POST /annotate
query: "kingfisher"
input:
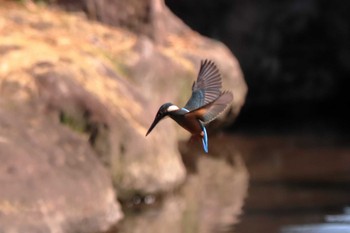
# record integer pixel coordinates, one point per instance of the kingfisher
(207, 102)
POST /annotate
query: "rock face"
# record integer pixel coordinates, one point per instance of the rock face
(211, 200)
(51, 181)
(79, 91)
(171, 50)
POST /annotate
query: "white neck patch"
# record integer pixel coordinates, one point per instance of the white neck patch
(172, 108)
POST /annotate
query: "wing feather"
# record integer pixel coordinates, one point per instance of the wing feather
(207, 88)
(212, 110)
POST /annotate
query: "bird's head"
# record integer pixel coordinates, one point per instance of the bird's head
(163, 111)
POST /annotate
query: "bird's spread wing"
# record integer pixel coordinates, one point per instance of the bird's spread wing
(207, 88)
(211, 111)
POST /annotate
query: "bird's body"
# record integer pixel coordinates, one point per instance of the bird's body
(187, 121)
(206, 104)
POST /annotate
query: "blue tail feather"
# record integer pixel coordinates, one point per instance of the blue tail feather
(205, 139)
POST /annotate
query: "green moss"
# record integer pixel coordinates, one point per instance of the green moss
(118, 66)
(75, 122)
(38, 2)
(42, 2)
(19, 1)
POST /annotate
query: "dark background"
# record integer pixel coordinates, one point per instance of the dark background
(295, 56)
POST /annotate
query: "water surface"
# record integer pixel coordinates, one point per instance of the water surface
(254, 183)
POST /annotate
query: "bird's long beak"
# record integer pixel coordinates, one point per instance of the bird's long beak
(155, 122)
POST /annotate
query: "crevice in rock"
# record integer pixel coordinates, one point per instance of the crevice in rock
(76, 120)
(98, 132)
(75, 107)
(99, 140)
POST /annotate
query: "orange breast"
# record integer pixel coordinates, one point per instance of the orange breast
(189, 122)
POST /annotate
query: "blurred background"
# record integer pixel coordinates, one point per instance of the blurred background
(81, 81)
(294, 56)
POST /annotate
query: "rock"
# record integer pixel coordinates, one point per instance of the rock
(116, 131)
(211, 199)
(166, 50)
(108, 82)
(51, 181)
(84, 86)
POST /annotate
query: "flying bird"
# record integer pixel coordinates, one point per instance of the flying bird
(207, 102)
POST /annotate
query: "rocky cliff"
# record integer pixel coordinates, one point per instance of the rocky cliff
(76, 99)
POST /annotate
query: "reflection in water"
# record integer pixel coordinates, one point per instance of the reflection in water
(295, 182)
(318, 228)
(210, 200)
